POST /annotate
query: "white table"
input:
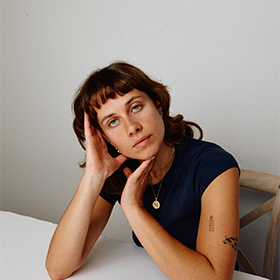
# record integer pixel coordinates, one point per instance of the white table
(25, 241)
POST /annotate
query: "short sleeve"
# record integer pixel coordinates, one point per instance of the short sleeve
(211, 162)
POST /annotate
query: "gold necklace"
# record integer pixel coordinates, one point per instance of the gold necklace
(156, 203)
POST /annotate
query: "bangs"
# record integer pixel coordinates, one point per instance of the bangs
(116, 79)
(101, 96)
(108, 88)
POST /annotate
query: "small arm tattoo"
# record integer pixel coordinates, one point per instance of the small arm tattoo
(233, 242)
(211, 223)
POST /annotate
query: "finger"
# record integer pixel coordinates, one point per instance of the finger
(90, 130)
(144, 169)
(86, 120)
(127, 172)
(148, 165)
(121, 159)
(87, 125)
(98, 132)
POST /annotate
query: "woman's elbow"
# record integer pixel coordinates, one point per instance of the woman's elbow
(56, 273)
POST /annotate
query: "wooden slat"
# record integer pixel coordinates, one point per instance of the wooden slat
(256, 213)
(259, 181)
(245, 263)
(271, 184)
(271, 238)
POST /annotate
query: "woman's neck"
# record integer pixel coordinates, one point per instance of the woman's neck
(162, 163)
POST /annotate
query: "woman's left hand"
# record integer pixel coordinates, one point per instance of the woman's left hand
(136, 184)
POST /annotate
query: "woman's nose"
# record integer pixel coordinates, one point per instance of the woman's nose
(132, 126)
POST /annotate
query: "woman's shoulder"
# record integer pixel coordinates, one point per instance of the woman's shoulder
(204, 153)
(204, 161)
(195, 145)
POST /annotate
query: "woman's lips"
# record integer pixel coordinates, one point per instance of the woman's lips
(142, 141)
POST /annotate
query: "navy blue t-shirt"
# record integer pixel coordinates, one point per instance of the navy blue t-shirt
(196, 164)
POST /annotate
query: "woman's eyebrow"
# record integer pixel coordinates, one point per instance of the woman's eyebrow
(132, 99)
(107, 117)
(126, 104)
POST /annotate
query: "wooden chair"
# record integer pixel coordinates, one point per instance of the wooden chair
(271, 184)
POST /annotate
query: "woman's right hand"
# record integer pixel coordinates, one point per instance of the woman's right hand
(98, 160)
(87, 213)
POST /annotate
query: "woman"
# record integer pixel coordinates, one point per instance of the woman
(179, 194)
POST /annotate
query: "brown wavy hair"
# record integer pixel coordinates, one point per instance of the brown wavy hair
(120, 78)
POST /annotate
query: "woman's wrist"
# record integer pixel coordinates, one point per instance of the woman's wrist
(94, 180)
(132, 209)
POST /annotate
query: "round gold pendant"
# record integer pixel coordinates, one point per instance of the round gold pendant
(156, 204)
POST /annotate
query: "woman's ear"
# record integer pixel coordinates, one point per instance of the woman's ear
(104, 136)
(160, 110)
(110, 143)
(158, 106)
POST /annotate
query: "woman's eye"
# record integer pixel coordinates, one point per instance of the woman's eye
(113, 123)
(136, 108)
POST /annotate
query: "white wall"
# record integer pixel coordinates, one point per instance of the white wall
(220, 59)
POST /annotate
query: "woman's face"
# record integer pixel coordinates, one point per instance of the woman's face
(133, 124)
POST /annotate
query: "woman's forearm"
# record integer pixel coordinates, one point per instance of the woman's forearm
(67, 245)
(175, 259)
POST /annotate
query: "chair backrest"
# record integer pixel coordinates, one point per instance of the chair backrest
(270, 184)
